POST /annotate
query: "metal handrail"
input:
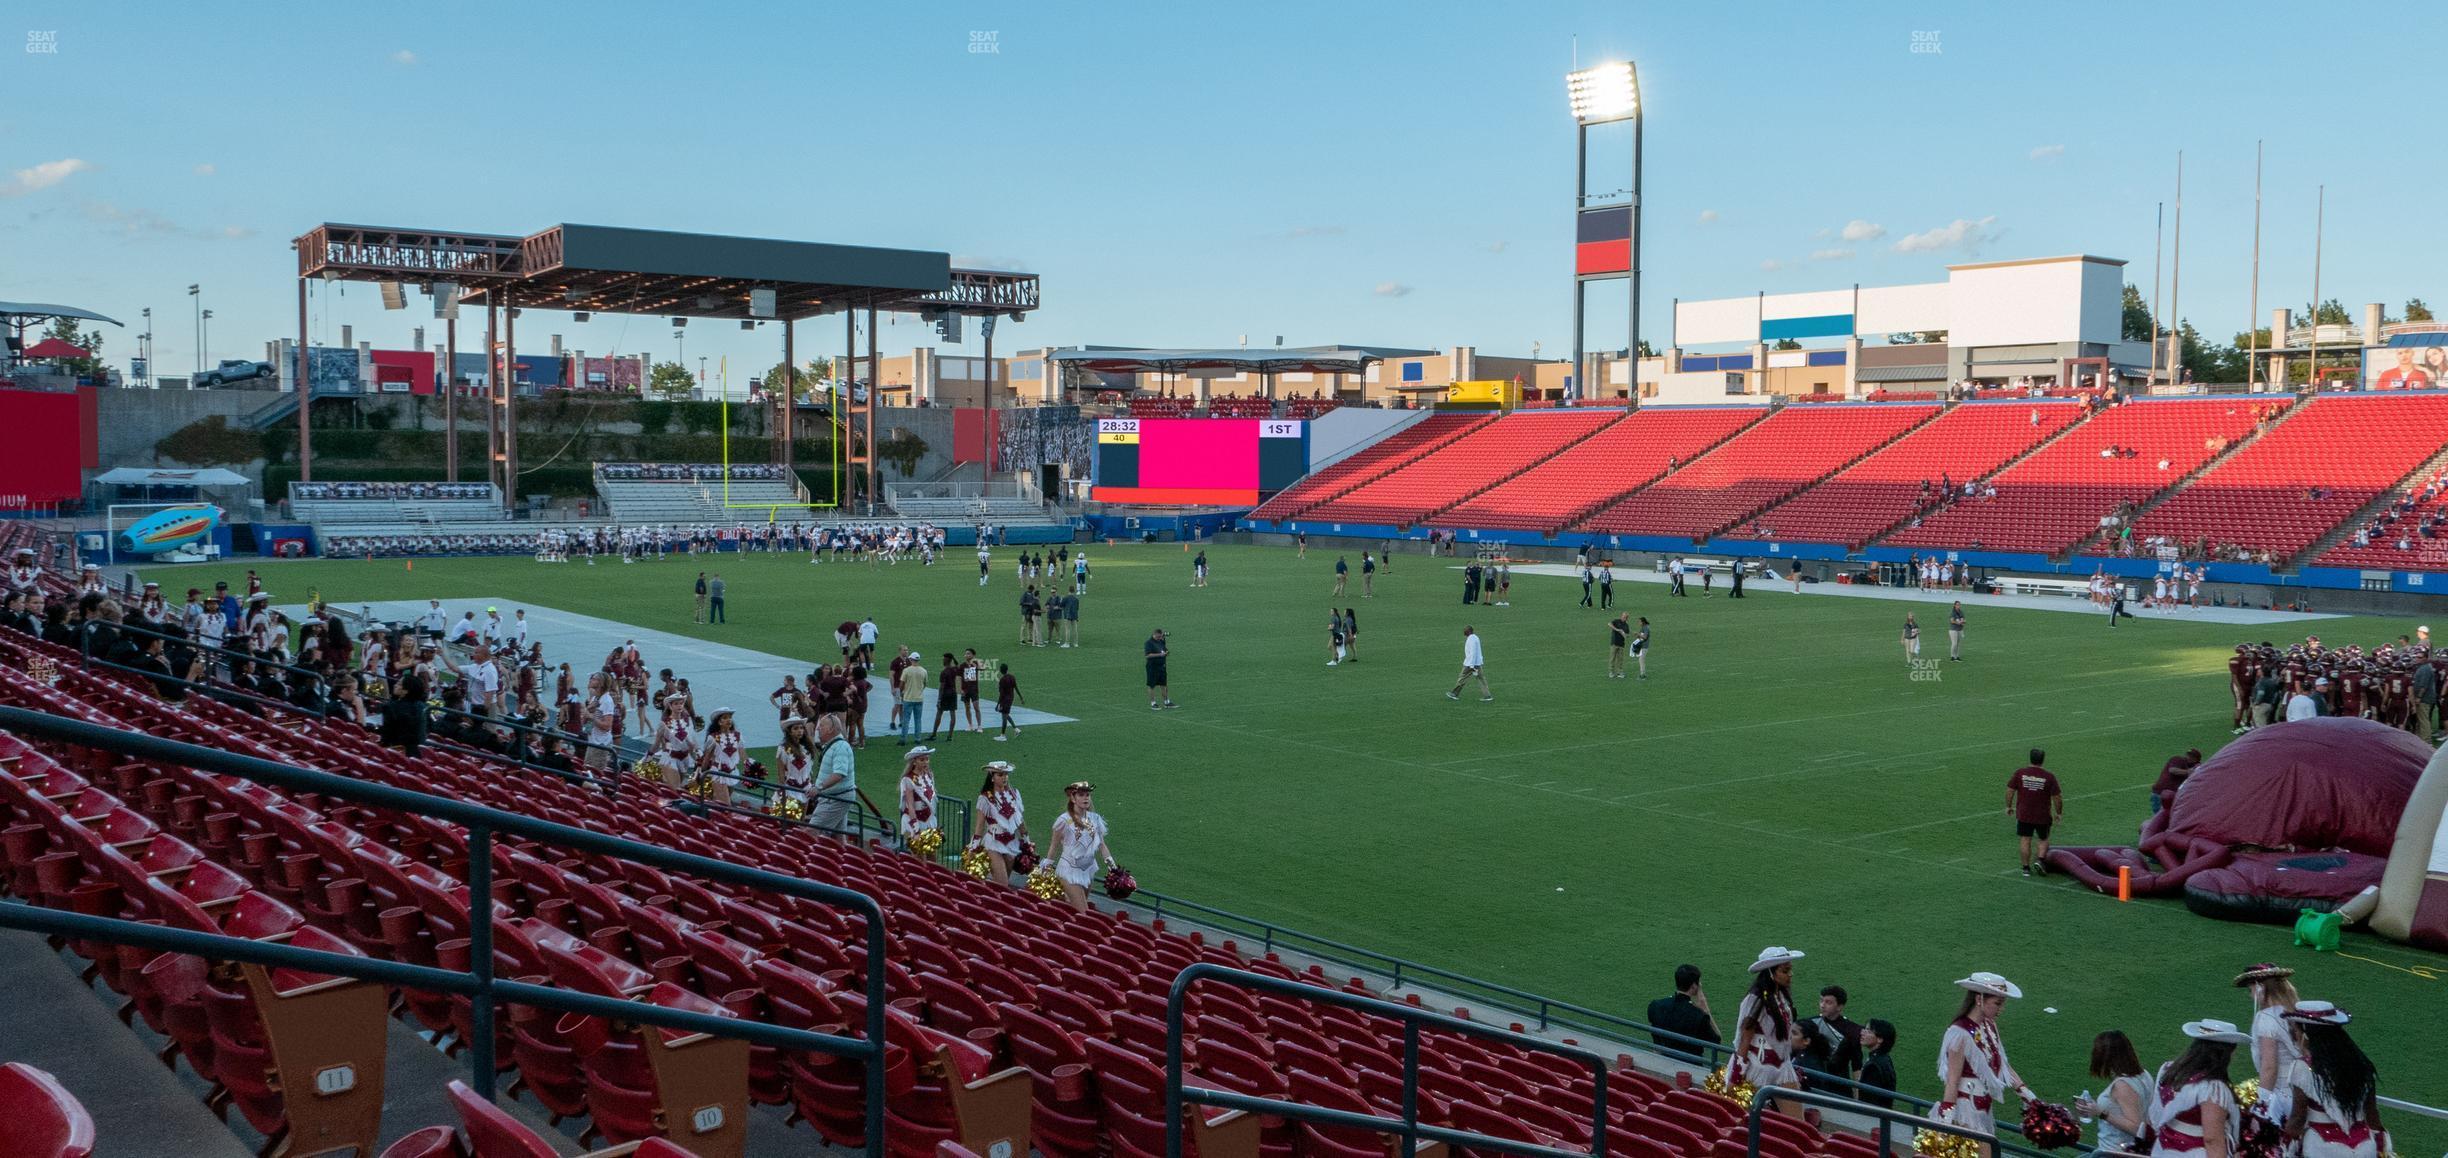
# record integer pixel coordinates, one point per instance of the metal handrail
(478, 983)
(1178, 1097)
(1547, 1012)
(1886, 1117)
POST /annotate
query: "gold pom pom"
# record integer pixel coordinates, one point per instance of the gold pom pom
(976, 863)
(1044, 884)
(926, 842)
(787, 805)
(1938, 1144)
(649, 768)
(1739, 1093)
(2248, 1093)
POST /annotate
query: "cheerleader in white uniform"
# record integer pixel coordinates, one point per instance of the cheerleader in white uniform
(2336, 1111)
(918, 793)
(677, 746)
(797, 756)
(2276, 1061)
(1765, 1035)
(1002, 825)
(1973, 1072)
(2196, 1115)
(1078, 845)
(723, 753)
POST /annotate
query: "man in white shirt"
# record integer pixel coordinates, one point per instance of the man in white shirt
(484, 679)
(867, 639)
(2302, 705)
(1474, 666)
(434, 620)
(494, 631)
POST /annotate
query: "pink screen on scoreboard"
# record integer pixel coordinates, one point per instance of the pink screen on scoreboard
(1199, 452)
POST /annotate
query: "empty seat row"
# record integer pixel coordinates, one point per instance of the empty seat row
(1468, 464)
(1602, 467)
(1912, 473)
(1770, 460)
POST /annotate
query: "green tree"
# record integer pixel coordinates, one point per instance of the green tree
(2137, 327)
(1786, 344)
(815, 371)
(2332, 313)
(1647, 350)
(2208, 362)
(2417, 311)
(671, 382)
(65, 329)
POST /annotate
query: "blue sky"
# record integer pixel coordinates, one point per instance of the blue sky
(1393, 174)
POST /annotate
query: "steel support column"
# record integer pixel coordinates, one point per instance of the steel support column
(790, 395)
(450, 398)
(509, 402)
(305, 388)
(875, 397)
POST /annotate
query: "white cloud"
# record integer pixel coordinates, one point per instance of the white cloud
(1961, 234)
(1391, 289)
(1830, 254)
(404, 57)
(145, 222)
(1497, 246)
(1771, 265)
(42, 176)
(1708, 217)
(2048, 152)
(205, 170)
(1860, 230)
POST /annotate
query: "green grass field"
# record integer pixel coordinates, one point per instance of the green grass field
(1779, 779)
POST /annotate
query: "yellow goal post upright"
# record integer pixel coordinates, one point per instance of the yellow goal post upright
(838, 428)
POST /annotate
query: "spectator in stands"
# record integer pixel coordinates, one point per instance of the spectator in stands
(1838, 1051)
(1764, 1033)
(836, 779)
(2336, 1104)
(1002, 828)
(1079, 845)
(1877, 1041)
(1685, 1012)
(2123, 1108)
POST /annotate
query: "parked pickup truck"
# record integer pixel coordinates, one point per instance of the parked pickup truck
(232, 371)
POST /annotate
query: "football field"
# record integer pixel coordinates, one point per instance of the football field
(1782, 778)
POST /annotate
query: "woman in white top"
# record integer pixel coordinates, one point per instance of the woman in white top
(677, 742)
(797, 756)
(1766, 1038)
(2276, 1060)
(1002, 825)
(1973, 1073)
(603, 720)
(2194, 1115)
(723, 753)
(918, 793)
(2123, 1107)
(2336, 1110)
(1078, 844)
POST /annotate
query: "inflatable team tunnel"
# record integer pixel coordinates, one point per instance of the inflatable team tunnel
(2296, 816)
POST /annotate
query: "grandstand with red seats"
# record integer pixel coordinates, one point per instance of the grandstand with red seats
(1452, 472)
(1370, 462)
(2128, 453)
(990, 989)
(2306, 475)
(1790, 449)
(1911, 474)
(1593, 472)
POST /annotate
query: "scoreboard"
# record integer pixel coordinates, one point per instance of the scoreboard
(1197, 461)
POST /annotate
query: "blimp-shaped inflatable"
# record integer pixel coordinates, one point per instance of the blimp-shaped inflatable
(171, 529)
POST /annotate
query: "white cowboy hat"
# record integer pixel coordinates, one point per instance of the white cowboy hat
(2212, 1029)
(1991, 984)
(1773, 956)
(914, 753)
(787, 721)
(2317, 1013)
(1002, 766)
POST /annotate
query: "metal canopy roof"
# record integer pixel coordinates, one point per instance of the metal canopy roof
(649, 271)
(1301, 359)
(30, 310)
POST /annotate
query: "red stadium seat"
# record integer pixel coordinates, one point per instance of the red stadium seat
(39, 1118)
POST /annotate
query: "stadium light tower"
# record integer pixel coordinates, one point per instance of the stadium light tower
(1606, 237)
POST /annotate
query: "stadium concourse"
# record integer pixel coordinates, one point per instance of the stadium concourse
(982, 977)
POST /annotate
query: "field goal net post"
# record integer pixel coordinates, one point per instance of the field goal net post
(837, 430)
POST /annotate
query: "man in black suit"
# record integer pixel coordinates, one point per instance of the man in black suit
(1685, 1011)
(1835, 1048)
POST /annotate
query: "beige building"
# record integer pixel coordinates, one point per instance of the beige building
(1026, 378)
